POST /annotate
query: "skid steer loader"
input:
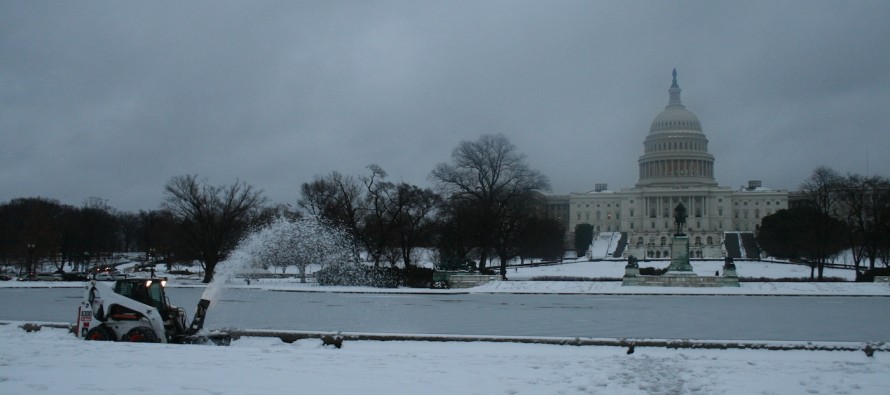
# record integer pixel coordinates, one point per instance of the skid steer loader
(137, 310)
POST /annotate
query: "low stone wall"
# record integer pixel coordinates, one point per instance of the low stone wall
(469, 280)
(680, 281)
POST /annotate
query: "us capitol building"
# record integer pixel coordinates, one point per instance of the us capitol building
(675, 167)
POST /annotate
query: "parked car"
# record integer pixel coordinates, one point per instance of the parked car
(4, 277)
(109, 276)
(48, 277)
(75, 276)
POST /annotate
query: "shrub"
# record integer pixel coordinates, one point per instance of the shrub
(869, 275)
(418, 277)
(651, 271)
(455, 263)
(359, 275)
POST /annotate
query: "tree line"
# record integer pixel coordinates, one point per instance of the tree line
(837, 213)
(483, 207)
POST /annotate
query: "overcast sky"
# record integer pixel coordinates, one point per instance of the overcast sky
(111, 99)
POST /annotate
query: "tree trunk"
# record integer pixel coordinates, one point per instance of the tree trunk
(209, 267)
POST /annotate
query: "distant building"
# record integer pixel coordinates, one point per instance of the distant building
(675, 167)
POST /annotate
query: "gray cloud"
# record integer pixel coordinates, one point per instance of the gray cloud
(111, 99)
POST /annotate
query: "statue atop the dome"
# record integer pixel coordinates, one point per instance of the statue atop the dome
(674, 84)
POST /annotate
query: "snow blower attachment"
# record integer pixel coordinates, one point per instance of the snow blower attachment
(137, 310)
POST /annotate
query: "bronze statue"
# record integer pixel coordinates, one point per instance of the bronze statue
(680, 217)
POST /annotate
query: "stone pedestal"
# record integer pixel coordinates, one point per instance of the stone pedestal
(680, 265)
(680, 272)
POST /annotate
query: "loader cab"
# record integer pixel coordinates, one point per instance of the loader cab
(145, 291)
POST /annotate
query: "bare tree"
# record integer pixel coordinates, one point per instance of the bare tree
(386, 219)
(211, 218)
(866, 205)
(335, 198)
(496, 180)
(98, 228)
(822, 194)
(375, 227)
(412, 217)
(30, 231)
(157, 235)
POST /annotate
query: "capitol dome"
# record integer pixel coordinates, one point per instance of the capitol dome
(676, 149)
(675, 115)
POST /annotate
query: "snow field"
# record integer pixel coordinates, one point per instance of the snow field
(53, 361)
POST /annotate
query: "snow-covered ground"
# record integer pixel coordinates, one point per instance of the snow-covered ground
(520, 281)
(52, 361)
(614, 269)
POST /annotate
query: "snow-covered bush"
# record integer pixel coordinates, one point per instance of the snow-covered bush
(360, 275)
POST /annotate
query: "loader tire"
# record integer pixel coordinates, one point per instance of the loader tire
(100, 333)
(141, 334)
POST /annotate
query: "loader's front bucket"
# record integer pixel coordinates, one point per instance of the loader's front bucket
(215, 338)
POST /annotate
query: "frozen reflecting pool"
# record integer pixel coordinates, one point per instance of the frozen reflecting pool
(634, 316)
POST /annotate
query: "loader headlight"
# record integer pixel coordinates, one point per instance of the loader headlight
(163, 283)
(147, 283)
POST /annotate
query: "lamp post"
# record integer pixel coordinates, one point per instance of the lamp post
(30, 247)
(152, 260)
